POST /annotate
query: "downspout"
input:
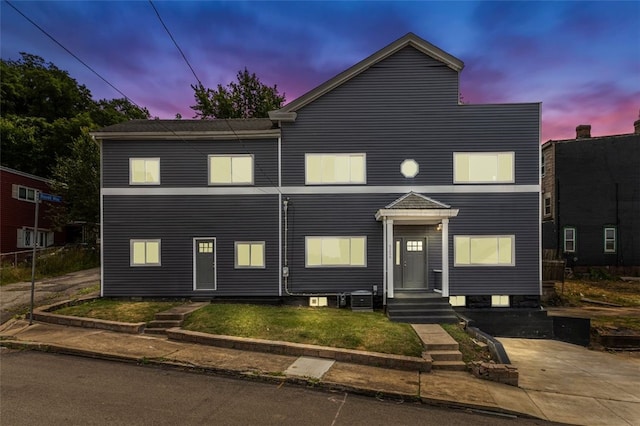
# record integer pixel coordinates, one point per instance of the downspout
(285, 268)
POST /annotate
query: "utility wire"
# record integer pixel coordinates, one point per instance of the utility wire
(70, 52)
(175, 42)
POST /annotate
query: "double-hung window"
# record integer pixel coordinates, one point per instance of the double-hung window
(484, 250)
(569, 240)
(336, 251)
(145, 252)
(547, 204)
(335, 169)
(23, 193)
(483, 167)
(234, 169)
(610, 237)
(144, 171)
(249, 254)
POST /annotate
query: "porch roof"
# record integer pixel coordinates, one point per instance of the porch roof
(416, 209)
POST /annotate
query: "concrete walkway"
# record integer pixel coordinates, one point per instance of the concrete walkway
(572, 384)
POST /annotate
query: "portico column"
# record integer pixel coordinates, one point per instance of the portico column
(445, 257)
(389, 256)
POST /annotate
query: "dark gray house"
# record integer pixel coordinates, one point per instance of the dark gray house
(378, 180)
(591, 201)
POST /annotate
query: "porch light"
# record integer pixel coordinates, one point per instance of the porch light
(439, 227)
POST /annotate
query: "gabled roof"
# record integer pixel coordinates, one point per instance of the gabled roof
(177, 129)
(414, 200)
(287, 113)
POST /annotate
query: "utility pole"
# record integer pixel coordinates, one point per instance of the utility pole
(33, 258)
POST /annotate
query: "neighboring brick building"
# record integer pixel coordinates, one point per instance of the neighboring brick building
(591, 200)
(17, 212)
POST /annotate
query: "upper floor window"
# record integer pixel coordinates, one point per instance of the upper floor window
(484, 250)
(144, 171)
(569, 240)
(145, 252)
(547, 204)
(249, 254)
(610, 239)
(23, 193)
(336, 251)
(543, 170)
(236, 169)
(483, 167)
(335, 169)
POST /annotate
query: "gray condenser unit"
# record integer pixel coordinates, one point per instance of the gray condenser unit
(362, 300)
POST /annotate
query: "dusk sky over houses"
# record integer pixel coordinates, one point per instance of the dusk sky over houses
(580, 59)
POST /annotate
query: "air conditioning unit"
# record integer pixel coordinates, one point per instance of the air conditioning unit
(362, 300)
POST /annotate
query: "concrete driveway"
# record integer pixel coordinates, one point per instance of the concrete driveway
(575, 385)
(16, 297)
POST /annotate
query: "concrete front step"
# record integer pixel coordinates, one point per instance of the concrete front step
(447, 355)
(449, 365)
(441, 346)
(164, 323)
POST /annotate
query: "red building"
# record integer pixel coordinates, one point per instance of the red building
(17, 212)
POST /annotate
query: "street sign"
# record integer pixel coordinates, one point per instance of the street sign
(50, 197)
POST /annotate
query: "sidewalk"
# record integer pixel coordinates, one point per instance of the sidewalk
(558, 381)
(459, 389)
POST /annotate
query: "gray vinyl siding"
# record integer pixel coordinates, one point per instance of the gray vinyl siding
(406, 106)
(185, 163)
(176, 220)
(480, 214)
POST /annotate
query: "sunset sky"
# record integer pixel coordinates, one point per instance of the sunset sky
(580, 59)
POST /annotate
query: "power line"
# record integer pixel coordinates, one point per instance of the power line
(70, 52)
(175, 42)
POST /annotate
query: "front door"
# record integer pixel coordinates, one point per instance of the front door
(410, 261)
(204, 263)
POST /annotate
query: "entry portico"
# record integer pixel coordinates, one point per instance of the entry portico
(405, 253)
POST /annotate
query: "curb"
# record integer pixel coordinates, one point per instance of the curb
(198, 369)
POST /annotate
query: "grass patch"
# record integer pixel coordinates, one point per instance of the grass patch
(51, 264)
(619, 292)
(619, 323)
(468, 347)
(341, 328)
(117, 310)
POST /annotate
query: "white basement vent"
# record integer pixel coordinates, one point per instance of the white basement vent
(318, 301)
(362, 300)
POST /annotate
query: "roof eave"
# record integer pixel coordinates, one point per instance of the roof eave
(279, 115)
(191, 135)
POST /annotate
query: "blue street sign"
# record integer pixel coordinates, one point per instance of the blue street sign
(50, 197)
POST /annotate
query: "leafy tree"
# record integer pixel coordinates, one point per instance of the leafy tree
(246, 98)
(45, 124)
(76, 178)
(31, 87)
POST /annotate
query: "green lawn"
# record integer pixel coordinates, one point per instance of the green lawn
(117, 310)
(342, 328)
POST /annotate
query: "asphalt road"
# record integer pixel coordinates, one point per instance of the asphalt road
(16, 298)
(51, 389)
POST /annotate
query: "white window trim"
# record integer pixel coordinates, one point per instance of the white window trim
(131, 159)
(492, 265)
(564, 239)
(250, 243)
(489, 182)
(614, 239)
(15, 192)
(146, 264)
(341, 237)
(20, 243)
(231, 156)
(500, 301)
(340, 154)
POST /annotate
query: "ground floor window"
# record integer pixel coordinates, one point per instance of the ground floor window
(484, 250)
(336, 251)
(249, 254)
(145, 252)
(25, 238)
(569, 240)
(610, 236)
